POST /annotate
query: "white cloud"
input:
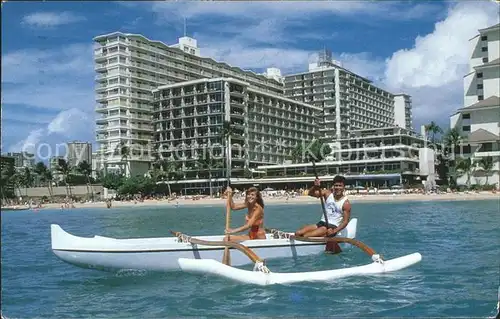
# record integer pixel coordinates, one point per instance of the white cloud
(277, 10)
(431, 71)
(41, 82)
(50, 19)
(23, 65)
(441, 57)
(364, 64)
(29, 143)
(70, 122)
(68, 125)
(257, 58)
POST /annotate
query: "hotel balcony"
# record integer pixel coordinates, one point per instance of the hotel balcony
(100, 67)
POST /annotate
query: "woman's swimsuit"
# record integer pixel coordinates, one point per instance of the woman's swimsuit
(254, 230)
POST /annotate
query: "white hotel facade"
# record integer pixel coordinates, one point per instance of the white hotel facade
(265, 127)
(348, 101)
(128, 68)
(154, 96)
(478, 120)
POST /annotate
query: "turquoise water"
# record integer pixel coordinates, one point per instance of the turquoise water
(459, 274)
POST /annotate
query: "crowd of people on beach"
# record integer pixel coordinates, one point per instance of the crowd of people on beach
(269, 193)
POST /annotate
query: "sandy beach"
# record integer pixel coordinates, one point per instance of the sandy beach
(292, 200)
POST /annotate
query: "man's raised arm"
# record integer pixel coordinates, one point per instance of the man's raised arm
(315, 190)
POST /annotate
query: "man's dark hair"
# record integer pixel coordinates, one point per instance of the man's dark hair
(339, 179)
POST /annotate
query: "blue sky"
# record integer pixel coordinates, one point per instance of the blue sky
(415, 47)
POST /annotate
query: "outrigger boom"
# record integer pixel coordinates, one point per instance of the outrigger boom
(261, 275)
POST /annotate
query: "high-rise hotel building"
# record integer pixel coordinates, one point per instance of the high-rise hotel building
(348, 101)
(265, 127)
(128, 67)
(478, 121)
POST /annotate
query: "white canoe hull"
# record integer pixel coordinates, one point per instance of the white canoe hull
(214, 267)
(162, 254)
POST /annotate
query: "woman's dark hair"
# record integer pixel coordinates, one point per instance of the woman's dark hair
(339, 179)
(259, 199)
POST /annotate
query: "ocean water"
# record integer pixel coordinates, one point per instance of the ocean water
(459, 274)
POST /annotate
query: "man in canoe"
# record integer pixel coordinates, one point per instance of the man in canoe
(337, 208)
(254, 217)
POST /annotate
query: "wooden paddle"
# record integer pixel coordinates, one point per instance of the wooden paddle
(226, 258)
(321, 196)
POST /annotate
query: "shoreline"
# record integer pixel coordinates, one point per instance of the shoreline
(396, 198)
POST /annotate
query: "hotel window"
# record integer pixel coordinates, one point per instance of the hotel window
(479, 86)
(480, 97)
(466, 116)
(485, 60)
(479, 75)
(484, 49)
(466, 128)
(484, 38)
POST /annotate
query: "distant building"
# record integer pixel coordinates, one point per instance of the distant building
(22, 159)
(79, 152)
(265, 126)
(128, 67)
(348, 101)
(478, 121)
(375, 157)
(96, 167)
(403, 111)
(7, 164)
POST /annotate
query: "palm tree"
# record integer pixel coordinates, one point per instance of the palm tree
(27, 179)
(125, 156)
(65, 169)
(7, 179)
(49, 178)
(41, 170)
(465, 166)
(17, 181)
(453, 139)
(297, 153)
(226, 132)
(85, 169)
(486, 163)
(155, 172)
(168, 171)
(433, 128)
(209, 164)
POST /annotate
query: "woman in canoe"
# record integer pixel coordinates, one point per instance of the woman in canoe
(254, 217)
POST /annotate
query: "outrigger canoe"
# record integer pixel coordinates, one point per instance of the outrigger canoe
(164, 253)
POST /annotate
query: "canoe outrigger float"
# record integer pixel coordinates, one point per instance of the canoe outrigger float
(261, 275)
